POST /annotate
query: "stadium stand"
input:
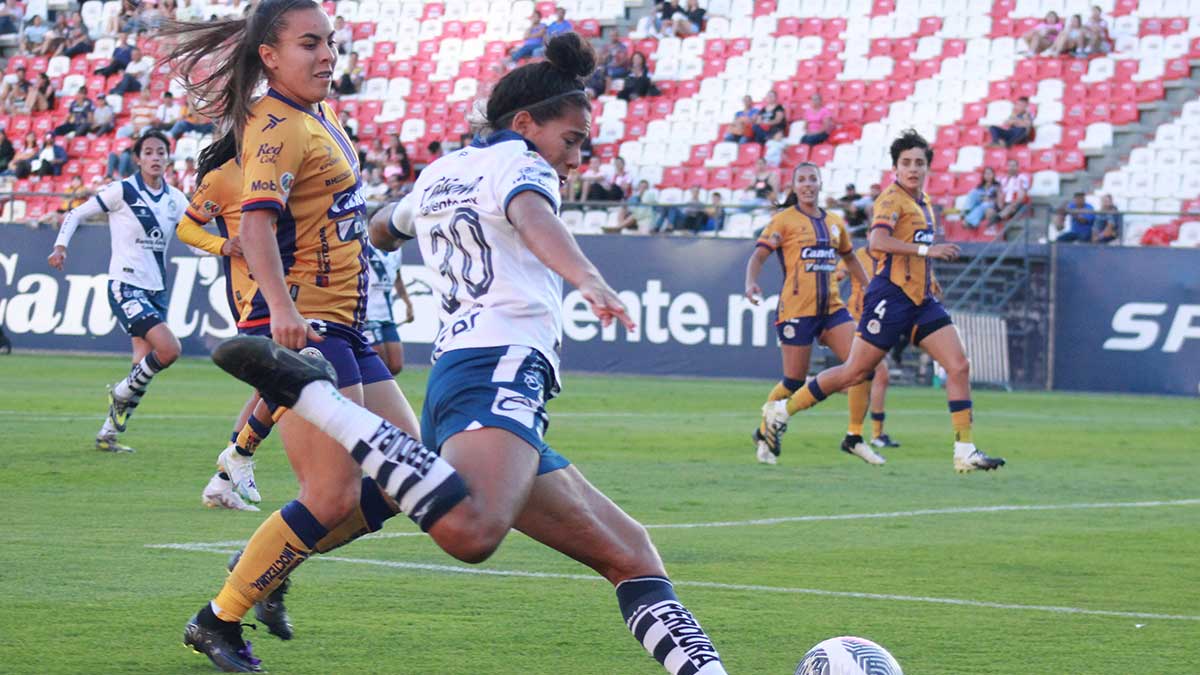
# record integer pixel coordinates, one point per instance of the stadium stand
(945, 67)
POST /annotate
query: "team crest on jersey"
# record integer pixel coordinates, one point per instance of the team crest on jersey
(789, 331)
(834, 232)
(873, 326)
(273, 121)
(286, 181)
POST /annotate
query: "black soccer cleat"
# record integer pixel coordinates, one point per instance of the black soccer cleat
(854, 445)
(884, 441)
(277, 372)
(270, 610)
(221, 642)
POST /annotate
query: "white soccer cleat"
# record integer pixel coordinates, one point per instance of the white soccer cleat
(775, 422)
(977, 461)
(240, 470)
(854, 445)
(219, 494)
(763, 452)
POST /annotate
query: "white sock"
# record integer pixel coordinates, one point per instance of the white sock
(422, 483)
(963, 450)
(134, 384)
(107, 429)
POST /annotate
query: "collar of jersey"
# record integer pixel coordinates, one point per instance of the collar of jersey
(142, 186)
(276, 95)
(820, 217)
(500, 137)
(919, 200)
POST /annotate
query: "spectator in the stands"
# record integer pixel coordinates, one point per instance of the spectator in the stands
(535, 39)
(6, 151)
(1076, 217)
(397, 161)
(348, 124)
(1072, 39)
(120, 164)
(1108, 223)
(637, 82)
(10, 18)
(774, 147)
(1042, 36)
(141, 116)
(689, 215)
(765, 185)
(614, 57)
(1095, 30)
(819, 121)
(982, 200)
(22, 163)
(56, 37)
(397, 187)
(868, 202)
(1015, 130)
(715, 212)
(741, 130)
(103, 118)
(1014, 193)
(50, 158)
(168, 113)
(343, 35)
(80, 119)
(35, 36)
(187, 179)
(42, 96)
(78, 43)
(137, 74)
(851, 204)
(560, 24)
(349, 77)
(772, 117)
(637, 213)
(571, 189)
(120, 58)
(689, 20)
(608, 183)
(15, 93)
(376, 187)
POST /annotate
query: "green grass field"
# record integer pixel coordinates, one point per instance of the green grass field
(1062, 589)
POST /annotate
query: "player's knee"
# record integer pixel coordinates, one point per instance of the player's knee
(470, 540)
(635, 556)
(958, 368)
(167, 351)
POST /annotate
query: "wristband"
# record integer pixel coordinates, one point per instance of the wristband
(923, 250)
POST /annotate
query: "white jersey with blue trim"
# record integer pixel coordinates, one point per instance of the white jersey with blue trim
(494, 291)
(382, 268)
(141, 223)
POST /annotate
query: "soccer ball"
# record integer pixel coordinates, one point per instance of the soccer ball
(848, 655)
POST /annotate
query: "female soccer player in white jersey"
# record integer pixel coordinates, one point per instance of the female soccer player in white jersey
(487, 221)
(142, 211)
(385, 285)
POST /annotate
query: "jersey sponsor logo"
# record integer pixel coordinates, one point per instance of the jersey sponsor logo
(338, 178)
(286, 181)
(263, 186)
(685, 632)
(448, 192)
(273, 121)
(268, 154)
(211, 208)
(346, 202)
(516, 406)
(824, 258)
(131, 308)
(331, 159)
(538, 175)
(923, 237)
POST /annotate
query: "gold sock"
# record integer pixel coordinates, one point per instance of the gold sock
(779, 392)
(379, 504)
(961, 421)
(248, 439)
(272, 553)
(803, 399)
(860, 398)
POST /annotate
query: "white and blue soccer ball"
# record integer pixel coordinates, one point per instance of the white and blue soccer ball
(848, 655)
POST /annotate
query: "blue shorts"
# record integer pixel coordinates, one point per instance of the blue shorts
(378, 332)
(889, 314)
(344, 347)
(491, 387)
(137, 309)
(803, 330)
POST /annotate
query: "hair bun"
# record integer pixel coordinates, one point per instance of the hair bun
(571, 54)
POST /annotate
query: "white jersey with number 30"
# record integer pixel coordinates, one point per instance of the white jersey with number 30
(494, 291)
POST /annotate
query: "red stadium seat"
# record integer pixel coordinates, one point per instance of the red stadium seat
(1075, 114)
(833, 48)
(744, 178)
(1027, 89)
(362, 31)
(964, 183)
(880, 47)
(21, 124)
(605, 151)
(1177, 69)
(1074, 70)
(833, 28)
(902, 90)
(588, 28)
(929, 26)
(1002, 26)
(1125, 113)
(944, 156)
(1049, 68)
(748, 154)
(997, 158)
(1094, 93)
(699, 155)
(1070, 160)
(1001, 90)
(714, 49)
(1150, 91)
(1099, 112)
(1126, 69)
(852, 113)
(829, 69)
(831, 91)
(1040, 160)
(696, 177)
(904, 69)
(686, 89)
(820, 154)
(793, 155)
(883, 7)
(1026, 70)
(78, 146)
(635, 129)
(788, 25)
(812, 27)
(940, 184)
(722, 177)
(954, 47)
(764, 7)
(903, 48)
(879, 91)
(947, 137)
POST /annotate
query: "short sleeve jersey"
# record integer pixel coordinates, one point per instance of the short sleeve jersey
(808, 249)
(910, 220)
(495, 292)
(300, 164)
(219, 200)
(384, 266)
(141, 223)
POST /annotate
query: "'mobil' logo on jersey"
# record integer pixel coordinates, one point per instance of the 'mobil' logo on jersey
(263, 186)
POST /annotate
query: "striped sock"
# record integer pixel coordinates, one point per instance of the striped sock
(134, 385)
(666, 628)
(422, 483)
(877, 424)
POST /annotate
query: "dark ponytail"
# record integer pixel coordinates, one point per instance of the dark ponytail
(545, 89)
(217, 153)
(218, 61)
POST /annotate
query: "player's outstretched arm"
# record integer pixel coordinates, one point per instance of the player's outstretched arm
(392, 225)
(88, 209)
(547, 238)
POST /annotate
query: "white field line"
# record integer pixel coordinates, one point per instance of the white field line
(924, 412)
(455, 569)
